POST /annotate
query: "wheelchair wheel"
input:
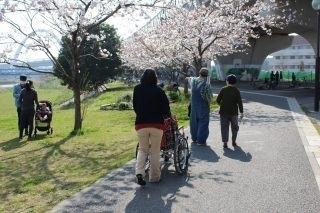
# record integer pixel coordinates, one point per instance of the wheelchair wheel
(166, 158)
(147, 167)
(181, 155)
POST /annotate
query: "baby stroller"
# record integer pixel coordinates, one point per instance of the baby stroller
(45, 123)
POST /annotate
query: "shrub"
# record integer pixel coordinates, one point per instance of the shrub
(168, 88)
(125, 98)
(124, 105)
(173, 96)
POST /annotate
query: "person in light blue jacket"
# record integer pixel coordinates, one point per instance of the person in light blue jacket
(16, 94)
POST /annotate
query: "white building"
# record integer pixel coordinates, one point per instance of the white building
(300, 56)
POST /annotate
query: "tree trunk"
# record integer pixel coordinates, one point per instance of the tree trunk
(197, 64)
(173, 80)
(77, 108)
(77, 98)
(185, 68)
(76, 84)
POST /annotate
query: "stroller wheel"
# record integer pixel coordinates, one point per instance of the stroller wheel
(48, 132)
(51, 131)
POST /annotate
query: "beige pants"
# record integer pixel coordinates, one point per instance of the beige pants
(149, 143)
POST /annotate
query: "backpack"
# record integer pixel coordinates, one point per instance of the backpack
(206, 92)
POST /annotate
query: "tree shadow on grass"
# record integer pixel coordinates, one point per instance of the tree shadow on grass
(43, 164)
(21, 168)
(35, 168)
(103, 195)
(14, 143)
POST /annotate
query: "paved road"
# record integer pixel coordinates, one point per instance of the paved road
(275, 169)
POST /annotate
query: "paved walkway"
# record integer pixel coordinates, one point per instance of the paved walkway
(274, 169)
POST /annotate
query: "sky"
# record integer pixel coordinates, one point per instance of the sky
(125, 27)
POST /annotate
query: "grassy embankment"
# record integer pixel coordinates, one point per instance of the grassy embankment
(38, 174)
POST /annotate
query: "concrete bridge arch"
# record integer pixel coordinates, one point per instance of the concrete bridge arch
(260, 48)
(27, 37)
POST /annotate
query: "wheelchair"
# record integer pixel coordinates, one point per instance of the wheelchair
(174, 146)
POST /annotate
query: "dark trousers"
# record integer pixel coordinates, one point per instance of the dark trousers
(19, 120)
(225, 121)
(19, 116)
(27, 117)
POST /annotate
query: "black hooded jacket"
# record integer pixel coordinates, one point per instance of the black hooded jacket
(150, 104)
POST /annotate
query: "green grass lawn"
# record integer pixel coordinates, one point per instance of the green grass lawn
(38, 174)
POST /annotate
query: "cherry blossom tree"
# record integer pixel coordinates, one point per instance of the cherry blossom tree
(197, 34)
(39, 25)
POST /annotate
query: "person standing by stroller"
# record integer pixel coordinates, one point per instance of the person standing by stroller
(200, 106)
(151, 105)
(28, 98)
(230, 101)
(16, 94)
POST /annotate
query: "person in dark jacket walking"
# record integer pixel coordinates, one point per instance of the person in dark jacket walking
(151, 106)
(28, 98)
(230, 101)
